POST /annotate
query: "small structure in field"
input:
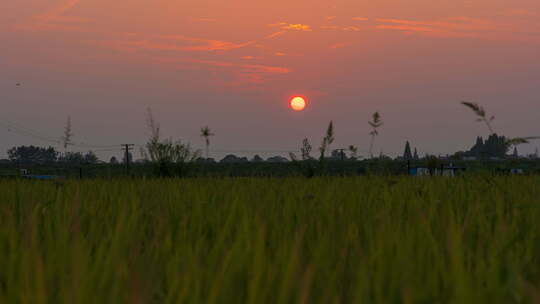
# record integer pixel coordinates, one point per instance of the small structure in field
(516, 171)
(26, 175)
(450, 171)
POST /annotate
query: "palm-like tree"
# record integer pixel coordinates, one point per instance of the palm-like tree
(206, 133)
(375, 124)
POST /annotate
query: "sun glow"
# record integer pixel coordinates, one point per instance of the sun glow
(298, 103)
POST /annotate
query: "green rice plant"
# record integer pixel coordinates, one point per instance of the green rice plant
(473, 239)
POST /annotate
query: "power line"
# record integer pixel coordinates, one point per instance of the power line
(28, 132)
(20, 131)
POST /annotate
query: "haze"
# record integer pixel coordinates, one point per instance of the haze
(232, 65)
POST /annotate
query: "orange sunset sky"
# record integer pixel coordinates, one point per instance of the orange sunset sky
(232, 65)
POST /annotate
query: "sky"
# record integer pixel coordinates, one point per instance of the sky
(233, 65)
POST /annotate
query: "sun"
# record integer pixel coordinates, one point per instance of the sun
(298, 103)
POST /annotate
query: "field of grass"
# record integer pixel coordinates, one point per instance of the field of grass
(291, 240)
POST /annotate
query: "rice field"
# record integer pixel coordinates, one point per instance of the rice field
(474, 239)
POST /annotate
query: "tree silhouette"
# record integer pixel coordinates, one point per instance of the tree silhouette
(375, 124)
(407, 155)
(32, 155)
(76, 158)
(206, 133)
(354, 151)
(166, 153)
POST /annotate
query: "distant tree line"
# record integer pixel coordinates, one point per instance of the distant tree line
(41, 155)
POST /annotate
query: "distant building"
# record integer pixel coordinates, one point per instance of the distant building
(420, 171)
(449, 171)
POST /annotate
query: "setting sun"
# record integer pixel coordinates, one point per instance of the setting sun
(298, 103)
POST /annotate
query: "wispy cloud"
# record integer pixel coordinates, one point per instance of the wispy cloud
(251, 68)
(275, 34)
(56, 20)
(463, 27)
(520, 13)
(292, 26)
(242, 73)
(348, 28)
(179, 43)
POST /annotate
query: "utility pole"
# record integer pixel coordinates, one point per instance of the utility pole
(342, 154)
(127, 148)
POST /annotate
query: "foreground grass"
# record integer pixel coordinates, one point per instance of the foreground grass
(335, 240)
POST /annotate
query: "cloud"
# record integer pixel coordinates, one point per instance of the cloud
(341, 28)
(519, 13)
(292, 26)
(276, 34)
(285, 27)
(55, 20)
(242, 73)
(408, 28)
(463, 27)
(350, 29)
(360, 19)
(431, 28)
(179, 43)
(297, 27)
(265, 69)
(238, 70)
(252, 68)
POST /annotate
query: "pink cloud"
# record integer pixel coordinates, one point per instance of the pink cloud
(265, 69)
(292, 26)
(341, 28)
(180, 43)
(464, 27)
(274, 35)
(55, 20)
